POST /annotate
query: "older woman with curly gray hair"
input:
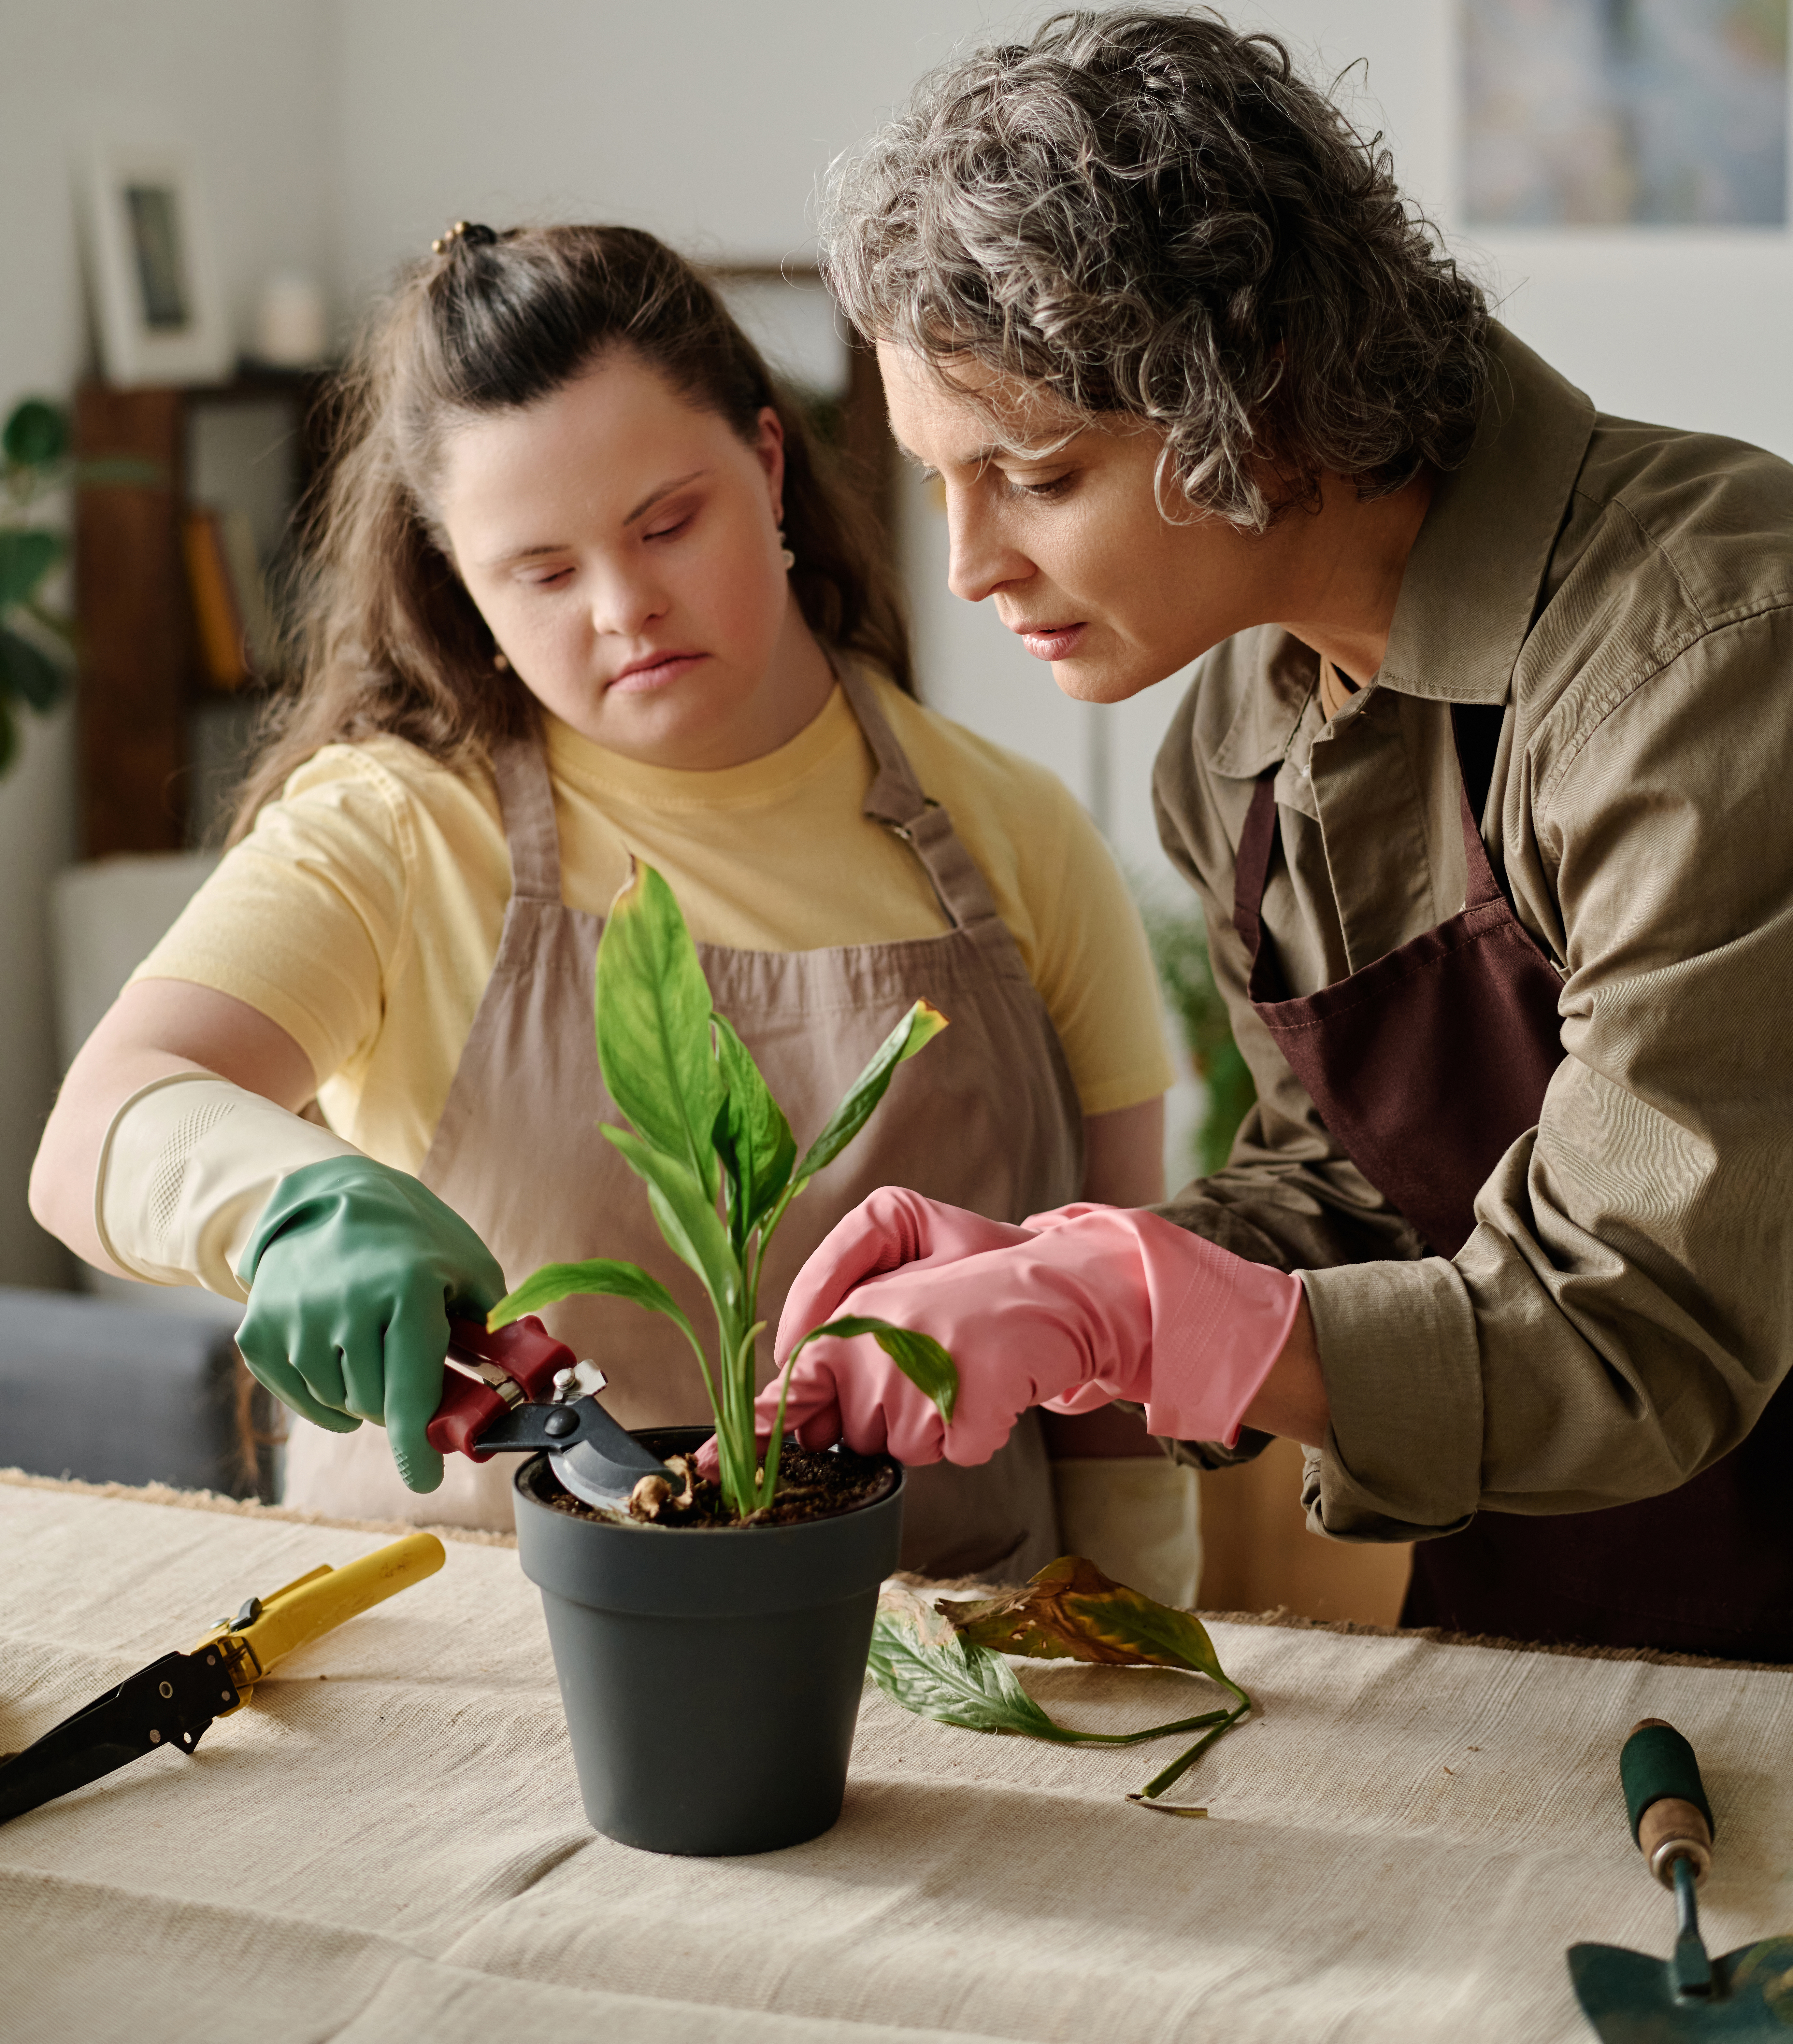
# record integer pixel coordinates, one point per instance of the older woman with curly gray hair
(1481, 780)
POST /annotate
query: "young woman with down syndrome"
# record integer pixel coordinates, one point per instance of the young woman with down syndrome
(582, 592)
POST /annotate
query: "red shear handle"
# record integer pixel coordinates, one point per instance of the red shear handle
(525, 1351)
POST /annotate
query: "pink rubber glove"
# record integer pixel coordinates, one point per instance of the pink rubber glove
(1079, 1307)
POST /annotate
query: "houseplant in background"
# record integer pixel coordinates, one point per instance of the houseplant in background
(710, 1642)
(36, 644)
(1179, 950)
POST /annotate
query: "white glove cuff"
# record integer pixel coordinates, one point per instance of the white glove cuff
(188, 1165)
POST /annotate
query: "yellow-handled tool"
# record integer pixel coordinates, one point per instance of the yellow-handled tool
(174, 1700)
(268, 1627)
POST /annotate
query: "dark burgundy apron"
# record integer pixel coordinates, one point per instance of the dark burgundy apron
(1426, 1067)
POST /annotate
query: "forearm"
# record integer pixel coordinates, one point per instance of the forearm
(1293, 1214)
(64, 1171)
(1123, 1155)
(1292, 1401)
(1544, 1370)
(156, 1029)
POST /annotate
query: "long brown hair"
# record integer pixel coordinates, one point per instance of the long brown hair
(388, 638)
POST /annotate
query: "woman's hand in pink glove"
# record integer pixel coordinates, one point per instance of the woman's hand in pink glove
(1081, 1306)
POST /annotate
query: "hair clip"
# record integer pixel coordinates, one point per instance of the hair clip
(471, 231)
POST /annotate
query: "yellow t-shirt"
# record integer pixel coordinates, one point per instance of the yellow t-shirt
(362, 912)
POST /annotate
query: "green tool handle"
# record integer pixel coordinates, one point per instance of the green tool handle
(1665, 1798)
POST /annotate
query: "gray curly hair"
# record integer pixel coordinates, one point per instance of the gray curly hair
(1149, 212)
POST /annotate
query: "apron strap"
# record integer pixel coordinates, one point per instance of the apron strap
(525, 797)
(1251, 870)
(896, 800)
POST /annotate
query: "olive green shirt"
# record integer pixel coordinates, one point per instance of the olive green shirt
(1624, 1308)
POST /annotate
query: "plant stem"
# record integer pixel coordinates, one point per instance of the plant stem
(734, 1460)
(1065, 1736)
(1181, 1765)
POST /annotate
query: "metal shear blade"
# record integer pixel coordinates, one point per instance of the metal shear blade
(598, 1460)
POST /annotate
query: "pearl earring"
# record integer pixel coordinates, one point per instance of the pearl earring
(501, 664)
(785, 554)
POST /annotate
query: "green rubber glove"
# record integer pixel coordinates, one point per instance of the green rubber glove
(352, 1270)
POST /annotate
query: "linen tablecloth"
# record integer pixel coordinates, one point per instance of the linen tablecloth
(389, 1846)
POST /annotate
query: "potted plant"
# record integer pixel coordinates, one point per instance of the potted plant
(33, 462)
(37, 644)
(710, 1642)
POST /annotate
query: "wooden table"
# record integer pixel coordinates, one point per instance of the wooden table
(389, 1846)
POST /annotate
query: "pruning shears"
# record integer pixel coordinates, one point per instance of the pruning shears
(520, 1391)
(175, 1700)
(517, 1390)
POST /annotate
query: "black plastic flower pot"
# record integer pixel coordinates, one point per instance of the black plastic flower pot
(711, 1677)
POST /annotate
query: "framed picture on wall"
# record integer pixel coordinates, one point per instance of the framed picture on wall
(1624, 112)
(154, 278)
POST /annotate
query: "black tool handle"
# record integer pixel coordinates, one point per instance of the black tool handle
(1670, 1818)
(170, 1703)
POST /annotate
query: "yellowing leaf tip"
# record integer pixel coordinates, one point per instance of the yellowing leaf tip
(925, 1023)
(629, 895)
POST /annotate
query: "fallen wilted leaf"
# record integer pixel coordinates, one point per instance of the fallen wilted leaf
(921, 1662)
(1071, 1611)
(945, 1660)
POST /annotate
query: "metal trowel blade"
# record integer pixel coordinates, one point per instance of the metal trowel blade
(1630, 1998)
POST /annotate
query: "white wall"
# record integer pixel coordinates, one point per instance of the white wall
(705, 120)
(1682, 325)
(247, 85)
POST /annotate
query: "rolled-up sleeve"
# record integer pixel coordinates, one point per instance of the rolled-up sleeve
(1624, 1309)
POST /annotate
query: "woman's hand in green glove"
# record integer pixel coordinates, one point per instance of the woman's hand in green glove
(352, 1270)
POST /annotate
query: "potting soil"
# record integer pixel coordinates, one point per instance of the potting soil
(812, 1485)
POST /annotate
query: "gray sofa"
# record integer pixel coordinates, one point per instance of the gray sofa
(120, 1393)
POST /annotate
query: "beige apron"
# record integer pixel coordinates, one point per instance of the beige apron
(986, 1118)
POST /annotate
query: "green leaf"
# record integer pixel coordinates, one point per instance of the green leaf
(920, 1662)
(27, 554)
(919, 1357)
(29, 673)
(555, 1281)
(918, 1029)
(688, 1218)
(35, 434)
(653, 1018)
(62, 628)
(1071, 1611)
(1179, 950)
(751, 1137)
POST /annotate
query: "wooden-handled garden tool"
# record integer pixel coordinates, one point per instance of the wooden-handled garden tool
(1631, 1998)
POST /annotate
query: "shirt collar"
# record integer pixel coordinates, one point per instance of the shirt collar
(1470, 586)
